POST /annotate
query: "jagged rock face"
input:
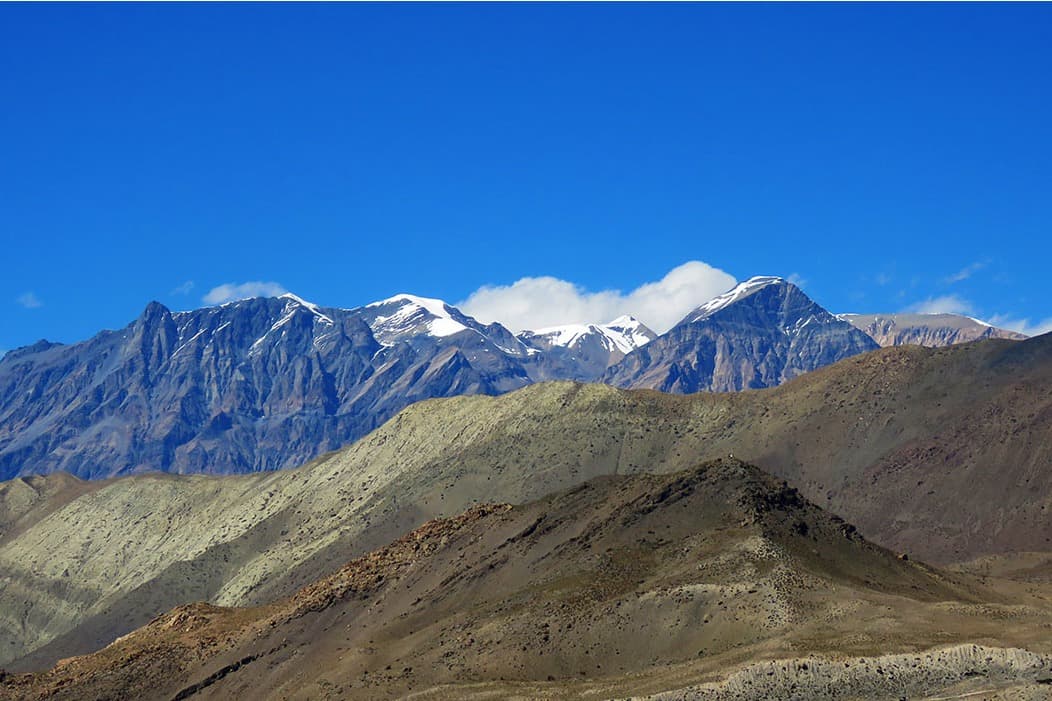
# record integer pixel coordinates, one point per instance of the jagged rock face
(264, 384)
(931, 330)
(254, 385)
(764, 332)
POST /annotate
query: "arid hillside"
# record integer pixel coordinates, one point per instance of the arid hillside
(622, 585)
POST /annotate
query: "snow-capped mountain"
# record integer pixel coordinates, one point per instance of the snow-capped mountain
(583, 351)
(404, 316)
(624, 334)
(761, 333)
(260, 384)
(735, 294)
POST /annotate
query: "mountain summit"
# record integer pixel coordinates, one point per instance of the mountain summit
(733, 295)
(583, 351)
(404, 316)
(759, 334)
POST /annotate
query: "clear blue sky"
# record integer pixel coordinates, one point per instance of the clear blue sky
(348, 152)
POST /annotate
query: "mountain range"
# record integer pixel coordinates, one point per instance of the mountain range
(269, 383)
(941, 455)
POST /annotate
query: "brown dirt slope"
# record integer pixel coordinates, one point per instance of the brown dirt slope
(630, 584)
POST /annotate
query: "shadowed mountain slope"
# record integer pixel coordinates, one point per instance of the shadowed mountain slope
(941, 453)
(622, 584)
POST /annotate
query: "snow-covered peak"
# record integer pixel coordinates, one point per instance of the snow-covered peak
(310, 306)
(564, 335)
(625, 321)
(735, 294)
(625, 334)
(406, 314)
(632, 330)
(435, 306)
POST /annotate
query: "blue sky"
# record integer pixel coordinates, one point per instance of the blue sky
(888, 156)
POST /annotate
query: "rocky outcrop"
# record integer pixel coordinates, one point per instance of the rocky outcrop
(963, 670)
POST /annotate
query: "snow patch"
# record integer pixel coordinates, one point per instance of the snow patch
(411, 312)
(735, 294)
(192, 339)
(309, 305)
(624, 333)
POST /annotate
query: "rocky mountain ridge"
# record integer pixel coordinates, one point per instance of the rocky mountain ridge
(583, 352)
(252, 385)
(262, 384)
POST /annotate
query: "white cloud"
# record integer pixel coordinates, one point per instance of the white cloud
(184, 289)
(230, 291)
(947, 304)
(29, 300)
(537, 302)
(965, 272)
(1023, 326)
(797, 279)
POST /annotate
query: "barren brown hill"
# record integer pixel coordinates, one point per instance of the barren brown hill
(940, 453)
(629, 584)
